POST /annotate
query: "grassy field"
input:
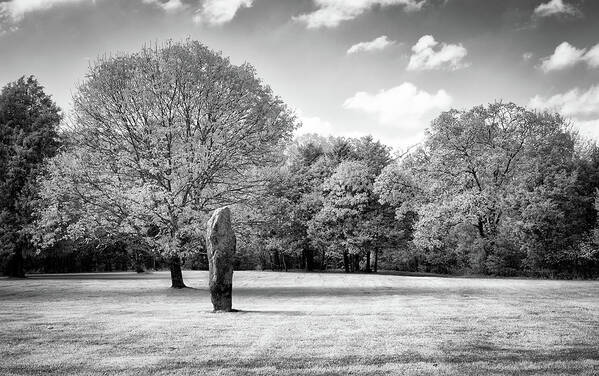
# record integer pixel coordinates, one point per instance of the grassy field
(298, 324)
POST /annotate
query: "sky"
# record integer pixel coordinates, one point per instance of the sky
(347, 67)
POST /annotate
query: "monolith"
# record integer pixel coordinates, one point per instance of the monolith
(220, 241)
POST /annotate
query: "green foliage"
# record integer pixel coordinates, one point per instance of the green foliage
(159, 138)
(322, 175)
(497, 190)
(29, 120)
(347, 198)
(280, 217)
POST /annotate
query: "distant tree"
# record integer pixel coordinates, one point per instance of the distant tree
(288, 203)
(339, 150)
(161, 137)
(587, 257)
(29, 120)
(495, 189)
(398, 187)
(397, 196)
(294, 196)
(348, 201)
(373, 153)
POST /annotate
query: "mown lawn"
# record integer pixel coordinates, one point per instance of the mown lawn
(298, 324)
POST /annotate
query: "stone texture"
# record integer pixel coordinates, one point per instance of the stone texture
(220, 241)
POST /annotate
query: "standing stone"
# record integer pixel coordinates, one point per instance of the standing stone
(220, 240)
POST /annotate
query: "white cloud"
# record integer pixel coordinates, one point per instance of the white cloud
(448, 56)
(376, 44)
(574, 103)
(400, 115)
(314, 124)
(317, 125)
(567, 56)
(582, 107)
(167, 5)
(331, 13)
(564, 56)
(212, 12)
(405, 110)
(592, 57)
(556, 7)
(5, 29)
(218, 12)
(588, 128)
(17, 9)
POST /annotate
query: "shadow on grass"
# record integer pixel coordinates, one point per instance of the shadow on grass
(101, 276)
(271, 312)
(566, 362)
(354, 291)
(310, 292)
(74, 291)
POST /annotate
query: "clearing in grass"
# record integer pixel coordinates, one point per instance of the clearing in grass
(298, 324)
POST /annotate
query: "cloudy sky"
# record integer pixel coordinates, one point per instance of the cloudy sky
(348, 67)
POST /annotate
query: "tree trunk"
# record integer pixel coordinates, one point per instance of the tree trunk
(323, 265)
(176, 274)
(139, 264)
(368, 270)
(356, 263)
(376, 260)
(481, 228)
(15, 267)
(309, 259)
(346, 261)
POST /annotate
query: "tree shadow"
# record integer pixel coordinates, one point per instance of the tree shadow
(271, 312)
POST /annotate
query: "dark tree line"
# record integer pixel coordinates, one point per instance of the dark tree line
(29, 121)
(161, 137)
(319, 209)
(495, 190)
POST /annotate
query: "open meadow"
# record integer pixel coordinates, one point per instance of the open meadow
(297, 323)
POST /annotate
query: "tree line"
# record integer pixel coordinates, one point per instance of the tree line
(497, 189)
(159, 138)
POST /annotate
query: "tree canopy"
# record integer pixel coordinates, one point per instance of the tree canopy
(159, 138)
(495, 190)
(29, 121)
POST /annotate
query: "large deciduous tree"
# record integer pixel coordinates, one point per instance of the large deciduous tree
(29, 120)
(496, 189)
(348, 206)
(161, 137)
(281, 216)
(290, 216)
